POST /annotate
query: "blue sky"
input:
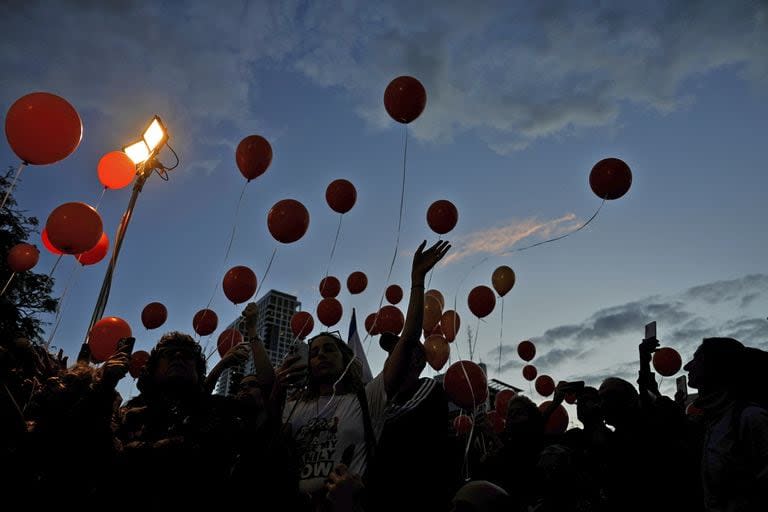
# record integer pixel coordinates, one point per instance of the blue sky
(521, 103)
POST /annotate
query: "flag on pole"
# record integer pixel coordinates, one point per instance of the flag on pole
(357, 347)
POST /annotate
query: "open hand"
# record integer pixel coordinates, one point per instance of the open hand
(423, 261)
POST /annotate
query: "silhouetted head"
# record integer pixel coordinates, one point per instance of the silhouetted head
(619, 401)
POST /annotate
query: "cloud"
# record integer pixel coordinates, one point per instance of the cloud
(724, 291)
(495, 241)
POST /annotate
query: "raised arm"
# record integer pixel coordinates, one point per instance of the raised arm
(261, 362)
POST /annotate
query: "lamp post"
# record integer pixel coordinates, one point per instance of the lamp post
(143, 153)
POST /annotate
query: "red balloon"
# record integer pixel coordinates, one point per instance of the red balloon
(104, 336)
(526, 350)
(571, 398)
(239, 284)
(442, 216)
(48, 245)
(96, 254)
(558, 421)
(23, 257)
(287, 221)
(545, 385)
(116, 170)
(390, 320)
(253, 156)
(329, 311)
(137, 363)
(481, 301)
(437, 296)
(450, 323)
(372, 325)
(496, 421)
(228, 339)
(341, 196)
(437, 350)
(329, 287)
(405, 99)
(667, 361)
(302, 324)
(466, 384)
(462, 424)
(43, 128)
(394, 294)
(529, 372)
(357, 282)
(74, 228)
(205, 322)
(610, 178)
(501, 402)
(154, 315)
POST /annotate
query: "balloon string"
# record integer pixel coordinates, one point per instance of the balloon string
(501, 334)
(101, 197)
(7, 283)
(473, 346)
(60, 305)
(56, 264)
(13, 185)
(432, 272)
(266, 272)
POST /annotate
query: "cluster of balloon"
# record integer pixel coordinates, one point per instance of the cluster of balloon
(390, 319)
(610, 178)
(205, 322)
(239, 284)
(154, 315)
(104, 335)
(253, 156)
(330, 287)
(357, 282)
(481, 301)
(302, 324)
(137, 363)
(228, 339)
(96, 254)
(501, 403)
(462, 424)
(405, 99)
(667, 361)
(22, 257)
(394, 294)
(466, 384)
(341, 196)
(545, 385)
(287, 221)
(116, 170)
(437, 350)
(526, 350)
(450, 323)
(74, 228)
(557, 423)
(442, 216)
(329, 311)
(529, 372)
(496, 420)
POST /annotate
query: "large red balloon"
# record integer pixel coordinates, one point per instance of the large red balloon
(390, 319)
(96, 254)
(287, 221)
(357, 282)
(462, 424)
(253, 156)
(610, 178)
(239, 284)
(104, 336)
(466, 384)
(116, 170)
(48, 245)
(228, 339)
(437, 350)
(529, 372)
(74, 228)
(667, 361)
(394, 294)
(23, 257)
(558, 420)
(154, 315)
(405, 99)
(137, 363)
(544, 385)
(442, 216)
(43, 128)
(329, 287)
(526, 350)
(302, 324)
(450, 323)
(481, 301)
(329, 311)
(372, 325)
(205, 322)
(501, 402)
(341, 196)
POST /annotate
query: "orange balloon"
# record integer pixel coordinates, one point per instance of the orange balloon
(437, 295)
(357, 282)
(43, 128)
(116, 170)
(466, 384)
(288, 221)
(239, 284)
(48, 245)
(390, 320)
(137, 363)
(329, 311)
(610, 178)
(503, 280)
(329, 287)
(104, 336)
(96, 254)
(667, 361)
(437, 351)
(544, 385)
(450, 323)
(205, 322)
(481, 301)
(432, 313)
(558, 421)
(74, 228)
(394, 294)
(253, 156)
(228, 339)
(23, 257)
(405, 99)
(154, 315)
(302, 324)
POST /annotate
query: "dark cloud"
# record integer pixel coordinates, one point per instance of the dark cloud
(750, 331)
(734, 289)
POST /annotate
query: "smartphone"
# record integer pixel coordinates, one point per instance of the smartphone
(125, 345)
(650, 330)
(682, 385)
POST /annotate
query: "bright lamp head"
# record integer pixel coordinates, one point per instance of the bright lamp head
(155, 135)
(138, 151)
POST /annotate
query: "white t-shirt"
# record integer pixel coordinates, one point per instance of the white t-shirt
(326, 427)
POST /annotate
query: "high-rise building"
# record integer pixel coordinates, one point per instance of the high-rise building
(275, 310)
